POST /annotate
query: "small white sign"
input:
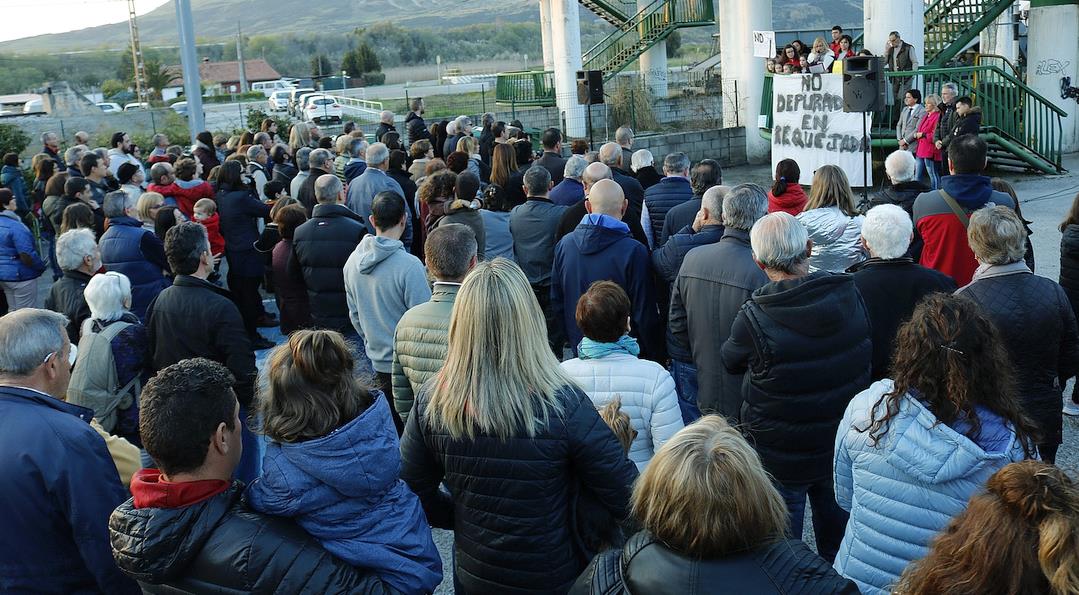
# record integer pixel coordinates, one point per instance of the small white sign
(764, 44)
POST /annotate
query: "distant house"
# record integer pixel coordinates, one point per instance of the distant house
(222, 77)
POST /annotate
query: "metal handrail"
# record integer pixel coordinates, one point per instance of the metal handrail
(526, 88)
(951, 24)
(649, 26)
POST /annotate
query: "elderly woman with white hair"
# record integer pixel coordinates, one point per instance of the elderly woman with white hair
(1033, 315)
(112, 327)
(79, 258)
(890, 281)
(643, 165)
(902, 170)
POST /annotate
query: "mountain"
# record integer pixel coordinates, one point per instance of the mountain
(217, 19)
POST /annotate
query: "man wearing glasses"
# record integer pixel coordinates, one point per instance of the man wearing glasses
(58, 484)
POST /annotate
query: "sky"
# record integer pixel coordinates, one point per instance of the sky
(26, 18)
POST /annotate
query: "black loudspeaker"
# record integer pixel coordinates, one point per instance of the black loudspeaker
(863, 84)
(589, 87)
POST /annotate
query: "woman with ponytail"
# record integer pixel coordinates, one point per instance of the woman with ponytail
(333, 463)
(786, 194)
(912, 449)
(1021, 535)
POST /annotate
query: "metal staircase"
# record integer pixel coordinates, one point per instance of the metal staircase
(1023, 129)
(634, 35)
(950, 25)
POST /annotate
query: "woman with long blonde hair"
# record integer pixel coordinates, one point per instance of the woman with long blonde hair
(299, 137)
(513, 439)
(1021, 535)
(833, 222)
(710, 516)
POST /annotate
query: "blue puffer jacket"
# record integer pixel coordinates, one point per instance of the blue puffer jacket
(121, 251)
(15, 237)
(11, 178)
(903, 491)
(670, 192)
(345, 490)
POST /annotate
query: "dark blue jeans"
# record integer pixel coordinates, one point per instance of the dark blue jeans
(829, 520)
(685, 384)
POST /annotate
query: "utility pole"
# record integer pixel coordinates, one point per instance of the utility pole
(189, 63)
(240, 57)
(136, 54)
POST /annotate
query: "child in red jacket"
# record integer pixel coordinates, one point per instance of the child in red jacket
(206, 214)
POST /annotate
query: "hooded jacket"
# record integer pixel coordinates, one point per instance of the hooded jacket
(218, 545)
(836, 239)
(601, 248)
(645, 565)
(806, 345)
(382, 281)
(11, 178)
(944, 237)
(461, 211)
(213, 232)
(903, 490)
(969, 123)
(186, 193)
(344, 489)
(15, 239)
(792, 201)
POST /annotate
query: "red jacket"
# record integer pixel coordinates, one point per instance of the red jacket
(213, 231)
(185, 197)
(792, 201)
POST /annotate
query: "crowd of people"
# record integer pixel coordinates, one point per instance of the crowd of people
(602, 372)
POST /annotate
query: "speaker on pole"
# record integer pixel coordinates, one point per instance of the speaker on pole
(590, 87)
(863, 84)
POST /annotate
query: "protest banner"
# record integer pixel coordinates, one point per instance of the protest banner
(810, 127)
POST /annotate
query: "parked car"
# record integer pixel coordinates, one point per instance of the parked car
(137, 105)
(269, 87)
(321, 109)
(180, 107)
(279, 101)
(109, 107)
(295, 97)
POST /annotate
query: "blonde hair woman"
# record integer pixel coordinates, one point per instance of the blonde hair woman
(299, 137)
(709, 516)
(833, 222)
(506, 430)
(469, 146)
(147, 207)
(821, 58)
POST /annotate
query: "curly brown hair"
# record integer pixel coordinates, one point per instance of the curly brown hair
(1019, 536)
(952, 357)
(438, 186)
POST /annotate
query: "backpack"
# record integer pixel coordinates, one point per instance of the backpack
(94, 383)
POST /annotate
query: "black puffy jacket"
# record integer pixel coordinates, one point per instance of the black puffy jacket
(1038, 326)
(220, 546)
(416, 128)
(806, 343)
(1069, 264)
(320, 248)
(509, 502)
(670, 192)
(647, 566)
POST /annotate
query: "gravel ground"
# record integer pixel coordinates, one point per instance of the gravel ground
(1045, 201)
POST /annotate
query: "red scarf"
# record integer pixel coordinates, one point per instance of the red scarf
(150, 491)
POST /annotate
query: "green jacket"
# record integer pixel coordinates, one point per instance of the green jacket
(420, 344)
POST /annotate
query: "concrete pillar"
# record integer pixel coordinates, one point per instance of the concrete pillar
(545, 33)
(999, 38)
(905, 16)
(1052, 55)
(566, 45)
(737, 21)
(653, 63)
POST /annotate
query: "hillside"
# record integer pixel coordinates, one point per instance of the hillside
(216, 19)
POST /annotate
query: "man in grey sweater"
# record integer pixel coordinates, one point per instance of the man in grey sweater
(382, 281)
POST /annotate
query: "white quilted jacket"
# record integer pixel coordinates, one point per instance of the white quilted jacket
(647, 392)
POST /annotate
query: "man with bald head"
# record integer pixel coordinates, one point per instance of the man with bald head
(602, 249)
(572, 217)
(610, 154)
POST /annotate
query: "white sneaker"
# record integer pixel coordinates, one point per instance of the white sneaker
(1071, 409)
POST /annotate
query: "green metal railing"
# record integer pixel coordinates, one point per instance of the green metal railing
(525, 88)
(952, 24)
(649, 26)
(1024, 128)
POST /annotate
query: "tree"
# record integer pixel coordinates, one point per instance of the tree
(12, 139)
(320, 65)
(360, 61)
(674, 44)
(158, 76)
(112, 87)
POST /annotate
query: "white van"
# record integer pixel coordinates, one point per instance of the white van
(268, 87)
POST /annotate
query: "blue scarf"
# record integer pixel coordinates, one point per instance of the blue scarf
(589, 349)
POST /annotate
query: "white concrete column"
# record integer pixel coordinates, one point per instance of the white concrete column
(653, 63)
(1053, 54)
(738, 19)
(566, 45)
(545, 34)
(998, 38)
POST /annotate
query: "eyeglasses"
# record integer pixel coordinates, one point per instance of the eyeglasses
(71, 355)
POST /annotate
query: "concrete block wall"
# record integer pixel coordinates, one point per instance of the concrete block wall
(725, 145)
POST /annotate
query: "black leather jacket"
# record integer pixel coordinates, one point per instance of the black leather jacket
(646, 566)
(220, 546)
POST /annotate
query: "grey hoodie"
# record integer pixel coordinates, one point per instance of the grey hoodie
(382, 281)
